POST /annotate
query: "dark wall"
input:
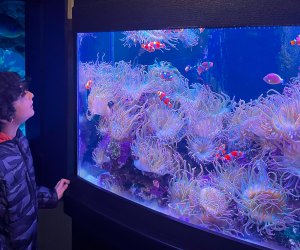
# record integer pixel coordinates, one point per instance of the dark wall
(46, 66)
(101, 15)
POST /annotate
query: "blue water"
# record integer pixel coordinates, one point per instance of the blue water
(181, 121)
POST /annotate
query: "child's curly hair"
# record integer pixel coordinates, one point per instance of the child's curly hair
(11, 88)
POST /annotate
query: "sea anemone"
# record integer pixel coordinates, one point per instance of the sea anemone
(263, 202)
(181, 186)
(167, 124)
(280, 118)
(124, 120)
(100, 157)
(201, 125)
(193, 198)
(288, 161)
(98, 105)
(189, 37)
(273, 118)
(153, 156)
(201, 149)
(212, 201)
(130, 81)
(228, 176)
(145, 36)
(102, 90)
(172, 86)
(202, 98)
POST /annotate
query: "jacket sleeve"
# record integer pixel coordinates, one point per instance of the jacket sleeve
(47, 198)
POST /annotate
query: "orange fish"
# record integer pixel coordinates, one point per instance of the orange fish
(221, 151)
(157, 45)
(296, 41)
(221, 154)
(205, 66)
(88, 85)
(163, 97)
(148, 47)
(232, 155)
(152, 46)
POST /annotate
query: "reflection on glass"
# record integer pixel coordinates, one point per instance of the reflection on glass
(12, 38)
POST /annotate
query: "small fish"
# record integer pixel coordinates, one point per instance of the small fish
(296, 41)
(148, 48)
(163, 97)
(200, 69)
(232, 155)
(273, 78)
(152, 46)
(188, 68)
(88, 85)
(221, 151)
(157, 45)
(205, 66)
(166, 75)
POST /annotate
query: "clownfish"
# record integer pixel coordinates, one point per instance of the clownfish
(296, 41)
(204, 67)
(207, 65)
(152, 46)
(221, 154)
(232, 155)
(88, 85)
(221, 151)
(148, 47)
(163, 97)
(157, 45)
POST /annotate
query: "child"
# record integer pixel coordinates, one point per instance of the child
(19, 196)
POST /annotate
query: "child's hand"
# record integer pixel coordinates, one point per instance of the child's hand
(61, 187)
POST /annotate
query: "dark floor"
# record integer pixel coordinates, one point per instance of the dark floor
(54, 229)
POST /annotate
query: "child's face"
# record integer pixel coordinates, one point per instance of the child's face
(24, 107)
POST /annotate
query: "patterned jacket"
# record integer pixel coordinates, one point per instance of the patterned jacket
(19, 196)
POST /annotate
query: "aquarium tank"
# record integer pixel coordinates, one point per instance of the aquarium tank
(200, 124)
